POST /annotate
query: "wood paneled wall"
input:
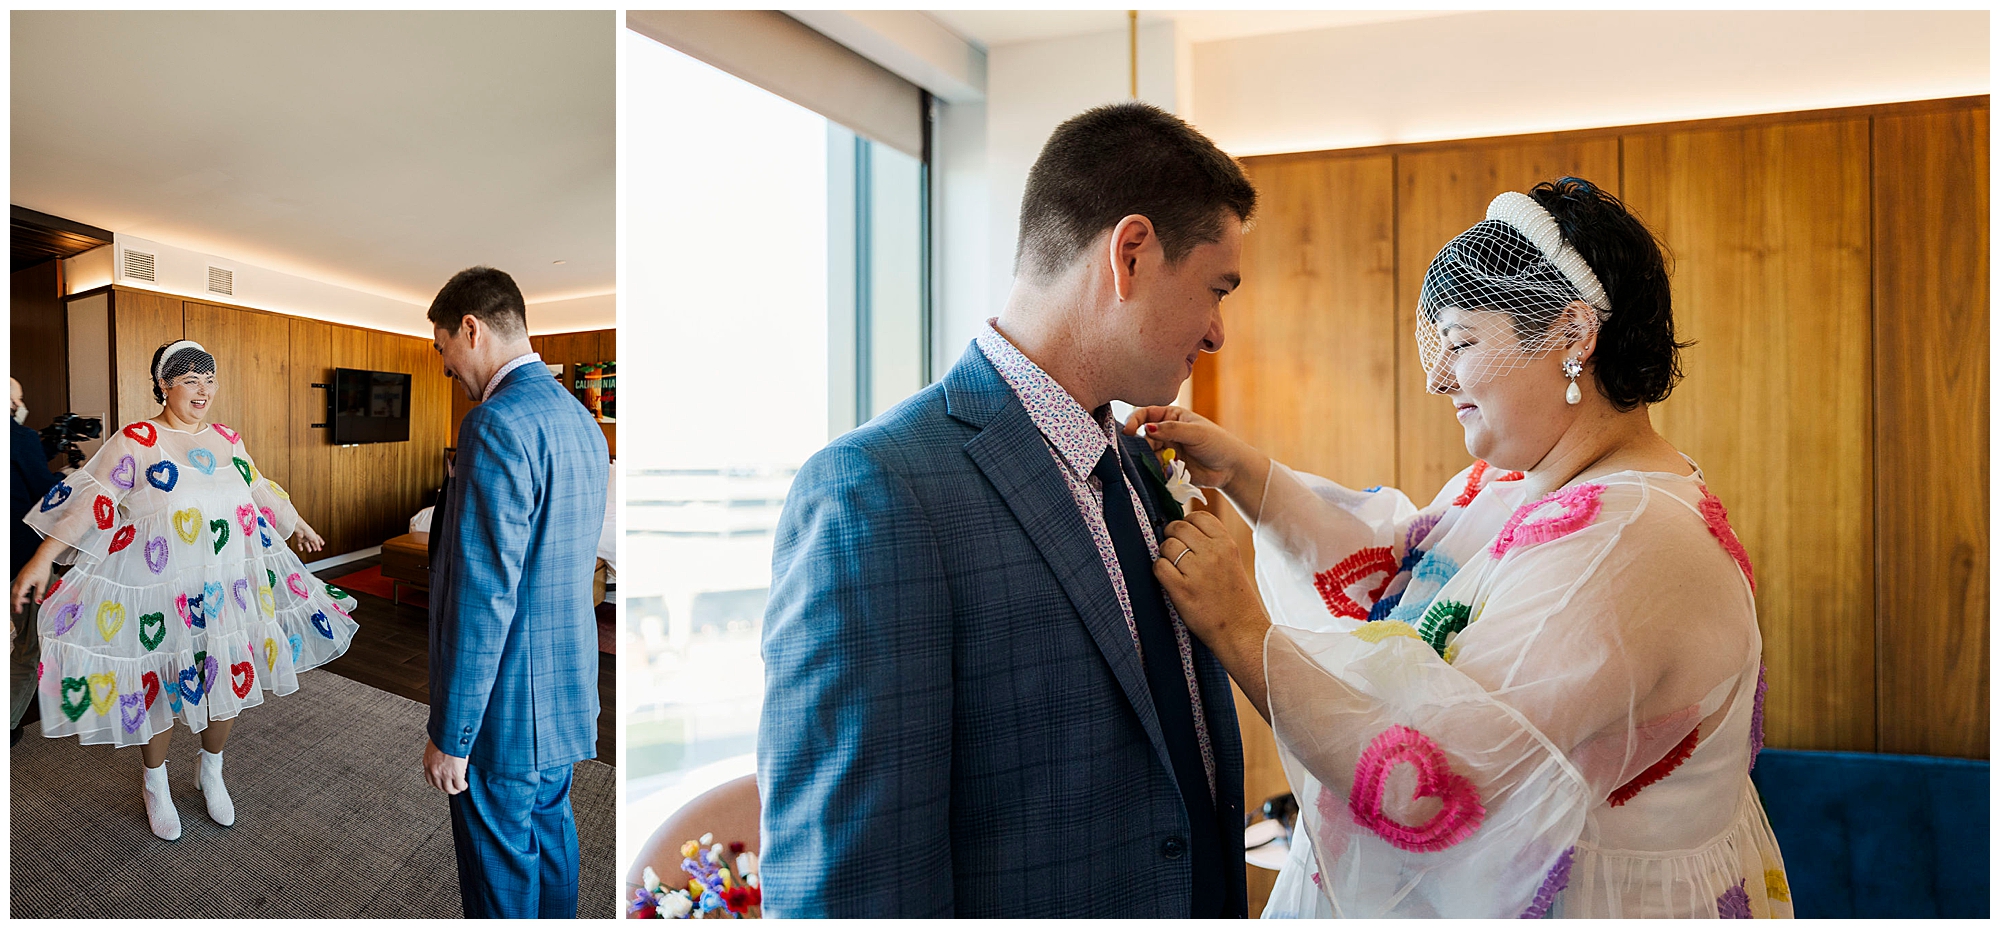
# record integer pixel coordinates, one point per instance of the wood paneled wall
(1831, 268)
(355, 497)
(38, 354)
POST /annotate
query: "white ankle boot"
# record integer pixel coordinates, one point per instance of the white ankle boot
(210, 784)
(160, 812)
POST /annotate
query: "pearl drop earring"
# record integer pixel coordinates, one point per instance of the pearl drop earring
(1571, 368)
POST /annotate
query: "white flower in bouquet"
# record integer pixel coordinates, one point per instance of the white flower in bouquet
(1179, 483)
(676, 905)
(746, 864)
(652, 882)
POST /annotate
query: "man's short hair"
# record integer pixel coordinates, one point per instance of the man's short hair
(486, 294)
(1121, 159)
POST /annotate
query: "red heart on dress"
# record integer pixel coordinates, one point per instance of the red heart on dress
(1333, 582)
(54, 586)
(105, 511)
(143, 433)
(122, 538)
(152, 682)
(1455, 821)
(241, 675)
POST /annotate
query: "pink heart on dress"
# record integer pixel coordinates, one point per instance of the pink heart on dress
(225, 432)
(298, 585)
(1453, 823)
(270, 518)
(181, 607)
(246, 518)
(1579, 507)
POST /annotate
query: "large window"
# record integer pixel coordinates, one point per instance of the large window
(775, 264)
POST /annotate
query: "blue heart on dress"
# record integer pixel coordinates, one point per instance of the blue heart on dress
(173, 475)
(197, 613)
(56, 496)
(298, 645)
(173, 689)
(191, 685)
(321, 623)
(202, 459)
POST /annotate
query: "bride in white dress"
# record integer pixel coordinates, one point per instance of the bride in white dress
(1540, 695)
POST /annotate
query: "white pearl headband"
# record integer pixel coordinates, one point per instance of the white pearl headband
(1520, 211)
(167, 355)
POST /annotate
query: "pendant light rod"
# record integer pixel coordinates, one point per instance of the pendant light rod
(1132, 32)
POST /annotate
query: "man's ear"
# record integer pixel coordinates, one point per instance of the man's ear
(473, 330)
(1130, 238)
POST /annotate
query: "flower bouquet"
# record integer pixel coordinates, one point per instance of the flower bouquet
(716, 887)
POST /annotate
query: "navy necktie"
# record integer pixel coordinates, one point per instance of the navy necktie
(1164, 678)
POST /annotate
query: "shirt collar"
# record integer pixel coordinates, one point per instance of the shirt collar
(1079, 436)
(506, 369)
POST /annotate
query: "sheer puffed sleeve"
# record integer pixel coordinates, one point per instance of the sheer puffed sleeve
(1590, 646)
(84, 508)
(274, 506)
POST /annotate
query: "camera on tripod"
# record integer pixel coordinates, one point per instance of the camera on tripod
(67, 430)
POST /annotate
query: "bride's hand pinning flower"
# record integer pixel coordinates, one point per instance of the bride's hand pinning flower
(1202, 574)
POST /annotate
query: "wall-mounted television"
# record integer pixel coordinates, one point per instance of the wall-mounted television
(370, 406)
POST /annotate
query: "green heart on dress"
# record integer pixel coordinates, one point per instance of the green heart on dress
(243, 468)
(221, 530)
(1442, 619)
(270, 578)
(75, 710)
(152, 630)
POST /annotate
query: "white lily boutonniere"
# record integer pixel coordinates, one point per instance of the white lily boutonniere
(1179, 484)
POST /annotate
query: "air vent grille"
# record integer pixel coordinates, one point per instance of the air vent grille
(138, 265)
(221, 281)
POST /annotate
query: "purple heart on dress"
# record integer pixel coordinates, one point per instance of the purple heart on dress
(127, 472)
(67, 616)
(132, 710)
(156, 554)
(242, 591)
(208, 670)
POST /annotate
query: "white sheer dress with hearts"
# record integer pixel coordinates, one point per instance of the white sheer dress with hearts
(185, 601)
(1501, 707)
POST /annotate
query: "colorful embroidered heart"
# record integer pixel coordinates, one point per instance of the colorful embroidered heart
(181, 607)
(297, 583)
(324, 625)
(265, 600)
(241, 590)
(132, 711)
(152, 630)
(279, 491)
(122, 538)
(298, 645)
(270, 654)
(1385, 629)
(241, 675)
(173, 689)
(243, 468)
(54, 586)
(190, 686)
(163, 475)
(1444, 619)
(1456, 820)
(1333, 582)
(202, 459)
(67, 617)
(336, 593)
(270, 577)
(1578, 506)
(1712, 512)
(221, 529)
(156, 554)
(81, 686)
(56, 496)
(151, 680)
(127, 472)
(103, 692)
(224, 431)
(187, 524)
(110, 619)
(104, 510)
(1473, 486)
(143, 433)
(208, 669)
(246, 518)
(270, 518)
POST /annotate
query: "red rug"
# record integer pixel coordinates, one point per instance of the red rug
(370, 580)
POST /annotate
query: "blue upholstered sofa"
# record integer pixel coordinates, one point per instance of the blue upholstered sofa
(1879, 835)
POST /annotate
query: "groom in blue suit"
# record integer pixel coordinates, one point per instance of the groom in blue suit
(978, 702)
(513, 659)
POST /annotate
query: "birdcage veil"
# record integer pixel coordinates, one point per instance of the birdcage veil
(1514, 262)
(183, 357)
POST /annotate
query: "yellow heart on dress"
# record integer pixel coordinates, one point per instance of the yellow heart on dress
(280, 491)
(110, 619)
(270, 654)
(264, 599)
(103, 692)
(187, 524)
(1384, 629)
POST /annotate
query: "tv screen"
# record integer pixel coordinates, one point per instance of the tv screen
(370, 406)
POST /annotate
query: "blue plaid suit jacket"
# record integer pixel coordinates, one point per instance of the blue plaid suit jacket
(513, 663)
(956, 721)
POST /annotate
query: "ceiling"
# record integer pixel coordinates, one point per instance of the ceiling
(988, 28)
(380, 151)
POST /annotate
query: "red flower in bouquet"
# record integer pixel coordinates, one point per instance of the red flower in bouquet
(740, 899)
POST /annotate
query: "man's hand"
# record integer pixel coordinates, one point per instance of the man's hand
(442, 771)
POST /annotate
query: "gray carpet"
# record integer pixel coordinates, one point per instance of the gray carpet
(333, 819)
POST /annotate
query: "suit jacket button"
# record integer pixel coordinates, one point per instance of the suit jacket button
(1173, 848)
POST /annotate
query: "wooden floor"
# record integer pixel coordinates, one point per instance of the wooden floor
(392, 652)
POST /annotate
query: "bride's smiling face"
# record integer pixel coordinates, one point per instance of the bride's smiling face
(1509, 402)
(189, 396)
